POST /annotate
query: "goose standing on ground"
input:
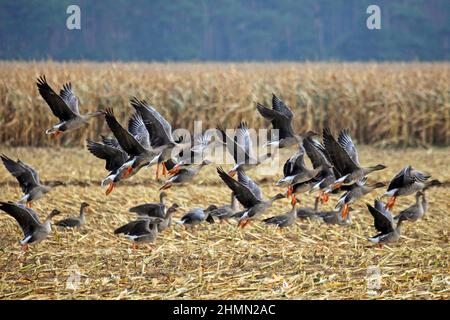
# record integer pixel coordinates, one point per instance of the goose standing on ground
(33, 230)
(74, 222)
(223, 213)
(143, 230)
(249, 195)
(384, 223)
(281, 118)
(136, 145)
(284, 220)
(160, 131)
(196, 216)
(241, 148)
(184, 175)
(416, 211)
(359, 189)
(408, 181)
(65, 107)
(305, 213)
(344, 158)
(28, 179)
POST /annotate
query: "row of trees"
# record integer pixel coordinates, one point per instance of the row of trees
(225, 30)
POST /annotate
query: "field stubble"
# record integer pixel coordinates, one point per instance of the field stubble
(310, 260)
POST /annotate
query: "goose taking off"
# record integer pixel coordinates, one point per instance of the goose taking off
(134, 143)
(383, 222)
(33, 230)
(28, 179)
(160, 131)
(281, 118)
(416, 211)
(359, 189)
(241, 148)
(249, 195)
(74, 222)
(407, 182)
(65, 107)
(184, 175)
(344, 158)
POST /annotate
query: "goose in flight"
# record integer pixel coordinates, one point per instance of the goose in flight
(344, 158)
(241, 148)
(65, 107)
(28, 179)
(249, 195)
(33, 230)
(384, 223)
(408, 181)
(281, 117)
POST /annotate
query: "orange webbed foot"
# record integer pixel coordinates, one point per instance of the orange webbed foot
(110, 188)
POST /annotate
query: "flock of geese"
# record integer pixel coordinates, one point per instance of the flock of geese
(148, 141)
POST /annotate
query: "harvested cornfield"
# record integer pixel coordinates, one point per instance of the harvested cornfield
(308, 261)
(393, 104)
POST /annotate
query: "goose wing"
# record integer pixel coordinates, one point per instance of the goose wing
(159, 129)
(244, 195)
(126, 140)
(25, 217)
(345, 140)
(233, 147)
(114, 157)
(280, 116)
(338, 155)
(57, 104)
(27, 177)
(69, 97)
(382, 218)
(137, 128)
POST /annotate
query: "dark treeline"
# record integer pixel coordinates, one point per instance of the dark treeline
(232, 30)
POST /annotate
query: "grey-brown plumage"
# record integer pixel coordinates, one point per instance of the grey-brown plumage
(226, 211)
(33, 230)
(143, 230)
(334, 217)
(249, 195)
(284, 220)
(64, 106)
(74, 222)
(196, 216)
(28, 179)
(184, 175)
(344, 158)
(157, 209)
(416, 211)
(408, 181)
(305, 213)
(383, 222)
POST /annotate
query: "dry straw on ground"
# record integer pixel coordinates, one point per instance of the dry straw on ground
(385, 104)
(308, 261)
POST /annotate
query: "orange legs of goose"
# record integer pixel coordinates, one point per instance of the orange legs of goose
(345, 211)
(157, 171)
(110, 188)
(174, 170)
(164, 171)
(165, 186)
(56, 134)
(243, 223)
(323, 197)
(29, 205)
(134, 246)
(25, 247)
(294, 201)
(390, 203)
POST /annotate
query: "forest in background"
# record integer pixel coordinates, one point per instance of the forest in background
(232, 30)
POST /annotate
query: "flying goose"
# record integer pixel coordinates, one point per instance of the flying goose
(416, 211)
(383, 222)
(344, 158)
(28, 179)
(33, 230)
(74, 222)
(65, 107)
(135, 145)
(281, 118)
(359, 189)
(160, 131)
(408, 181)
(249, 195)
(241, 148)
(184, 175)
